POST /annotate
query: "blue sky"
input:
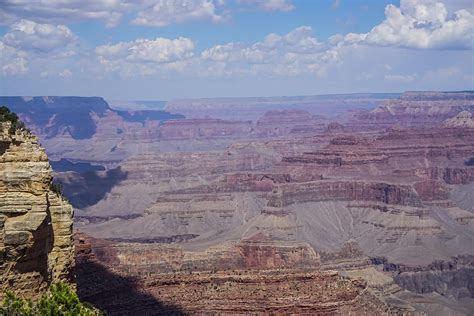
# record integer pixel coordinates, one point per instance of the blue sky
(168, 49)
(248, 24)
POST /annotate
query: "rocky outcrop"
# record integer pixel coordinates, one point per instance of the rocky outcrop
(174, 281)
(344, 190)
(463, 119)
(451, 278)
(154, 259)
(457, 283)
(36, 244)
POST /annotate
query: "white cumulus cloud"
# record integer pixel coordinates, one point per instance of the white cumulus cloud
(293, 53)
(145, 57)
(31, 36)
(165, 12)
(13, 61)
(420, 24)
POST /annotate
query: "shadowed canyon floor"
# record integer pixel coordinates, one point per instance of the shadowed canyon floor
(286, 209)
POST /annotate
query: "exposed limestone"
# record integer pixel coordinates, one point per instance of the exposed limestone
(463, 119)
(36, 245)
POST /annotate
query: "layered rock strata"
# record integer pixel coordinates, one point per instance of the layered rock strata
(414, 109)
(36, 244)
(249, 287)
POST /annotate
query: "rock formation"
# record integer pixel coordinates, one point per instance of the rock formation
(463, 119)
(414, 109)
(36, 243)
(177, 281)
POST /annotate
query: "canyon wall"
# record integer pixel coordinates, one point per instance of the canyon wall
(239, 214)
(36, 242)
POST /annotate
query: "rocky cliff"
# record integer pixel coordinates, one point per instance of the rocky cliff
(36, 244)
(131, 278)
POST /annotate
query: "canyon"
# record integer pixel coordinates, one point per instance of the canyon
(313, 205)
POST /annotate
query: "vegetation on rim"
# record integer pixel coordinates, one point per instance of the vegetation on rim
(59, 300)
(7, 116)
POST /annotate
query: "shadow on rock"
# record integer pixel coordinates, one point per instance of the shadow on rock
(87, 189)
(115, 294)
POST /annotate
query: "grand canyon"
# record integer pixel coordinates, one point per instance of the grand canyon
(330, 204)
(236, 157)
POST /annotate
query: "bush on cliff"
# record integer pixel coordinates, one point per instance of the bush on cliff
(13, 305)
(7, 116)
(59, 300)
(57, 188)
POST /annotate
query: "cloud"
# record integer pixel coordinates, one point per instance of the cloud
(31, 36)
(455, 5)
(66, 73)
(420, 24)
(29, 46)
(291, 54)
(400, 78)
(294, 53)
(109, 11)
(165, 12)
(145, 12)
(270, 5)
(156, 13)
(145, 57)
(13, 61)
(448, 74)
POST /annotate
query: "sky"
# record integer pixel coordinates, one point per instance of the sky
(173, 49)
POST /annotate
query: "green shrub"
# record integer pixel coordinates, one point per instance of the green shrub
(7, 116)
(57, 188)
(60, 300)
(15, 306)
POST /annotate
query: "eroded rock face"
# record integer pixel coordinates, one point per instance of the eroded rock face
(253, 276)
(419, 109)
(463, 119)
(36, 245)
(385, 189)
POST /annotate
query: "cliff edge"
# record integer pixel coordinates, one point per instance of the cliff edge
(36, 243)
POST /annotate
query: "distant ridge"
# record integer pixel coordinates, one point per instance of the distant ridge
(437, 95)
(75, 115)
